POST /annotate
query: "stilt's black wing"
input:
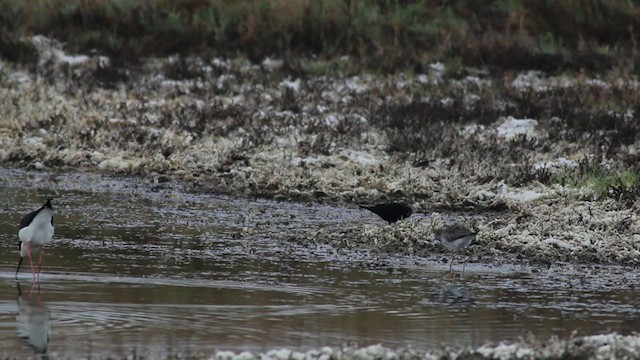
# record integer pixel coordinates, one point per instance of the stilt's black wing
(27, 219)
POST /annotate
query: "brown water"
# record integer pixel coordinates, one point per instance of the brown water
(158, 271)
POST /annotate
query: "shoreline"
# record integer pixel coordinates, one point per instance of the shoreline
(249, 130)
(603, 346)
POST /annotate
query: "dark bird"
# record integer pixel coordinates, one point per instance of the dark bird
(36, 230)
(454, 238)
(390, 212)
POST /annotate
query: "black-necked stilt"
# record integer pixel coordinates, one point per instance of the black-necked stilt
(391, 212)
(36, 230)
(454, 238)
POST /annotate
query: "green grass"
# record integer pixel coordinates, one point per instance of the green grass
(327, 67)
(381, 34)
(615, 184)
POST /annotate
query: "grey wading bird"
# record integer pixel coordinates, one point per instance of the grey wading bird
(454, 238)
(36, 230)
(391, 212)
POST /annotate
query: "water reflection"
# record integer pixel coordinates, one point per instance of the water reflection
(455, 294)
(33, 319)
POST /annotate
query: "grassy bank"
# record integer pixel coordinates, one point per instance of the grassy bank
(385, 35)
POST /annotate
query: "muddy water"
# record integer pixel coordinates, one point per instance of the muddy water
(137, 268)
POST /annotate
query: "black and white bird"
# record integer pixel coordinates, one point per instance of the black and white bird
(454, 238)
(391, 212)
(36, 230)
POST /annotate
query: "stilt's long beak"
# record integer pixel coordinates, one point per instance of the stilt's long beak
(18, 269)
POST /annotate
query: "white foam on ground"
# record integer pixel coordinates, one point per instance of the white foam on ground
(512, 127)
(606, 346)
(559, 163)
(51, 50)
(293, 85)
(521, 195)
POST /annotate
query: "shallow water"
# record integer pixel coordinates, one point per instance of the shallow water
(161, 270)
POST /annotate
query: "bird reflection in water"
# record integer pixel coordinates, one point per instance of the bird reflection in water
(455, 294)
(33, 320)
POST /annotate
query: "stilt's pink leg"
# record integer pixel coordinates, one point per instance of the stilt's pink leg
(40, 261)
(33, 272)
